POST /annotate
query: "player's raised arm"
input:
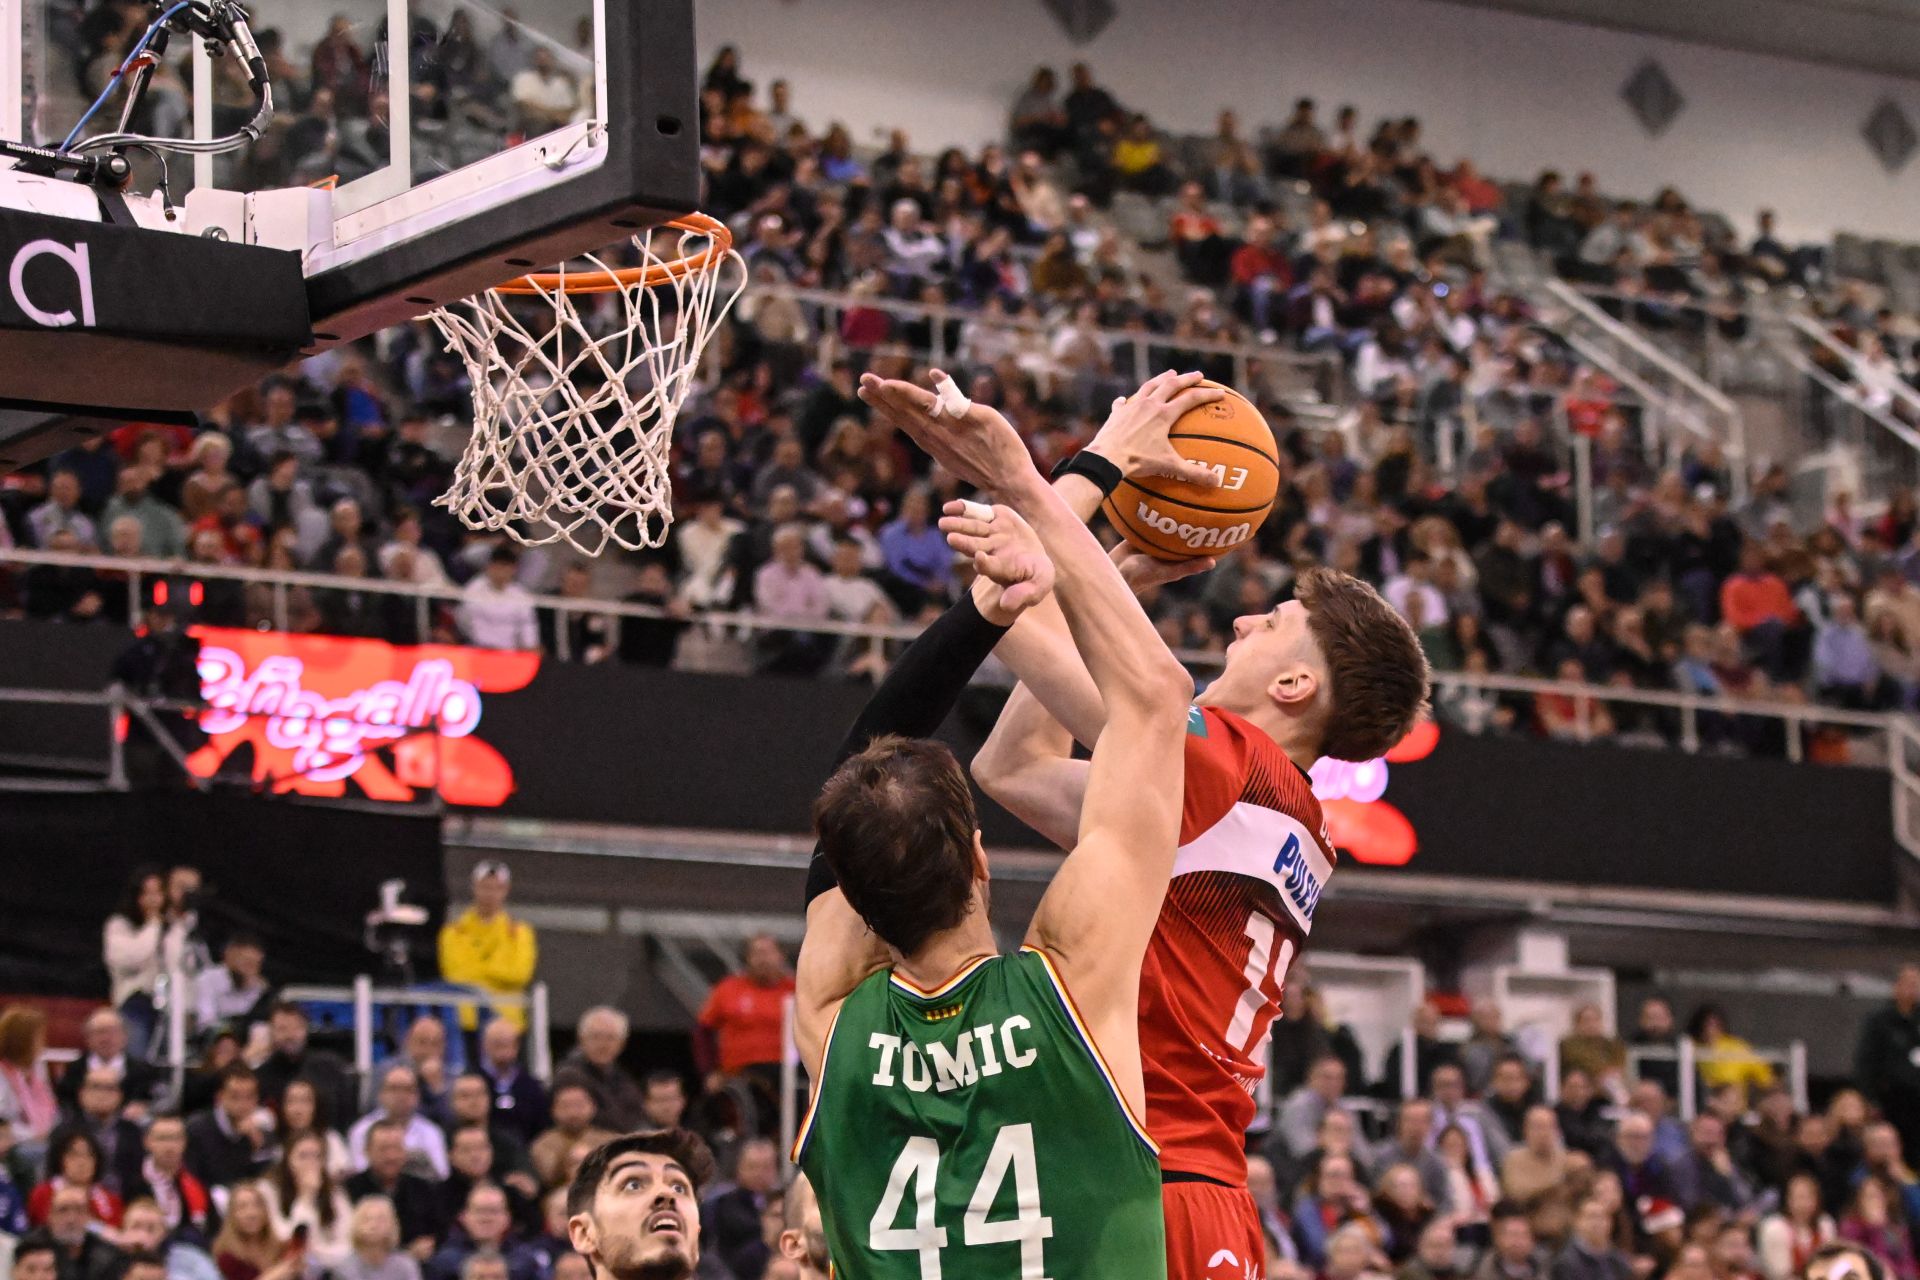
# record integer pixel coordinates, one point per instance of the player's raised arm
(1098, 914)
(919, 691)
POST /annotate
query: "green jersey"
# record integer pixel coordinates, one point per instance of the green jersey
(973, 1133)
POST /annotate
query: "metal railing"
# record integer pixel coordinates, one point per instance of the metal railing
(137, 572)
(1791, 1062)
(1680, 403)
(1894, 415)
(1304, 379)
(367, 999)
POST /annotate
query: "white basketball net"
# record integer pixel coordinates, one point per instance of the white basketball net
(575, 395)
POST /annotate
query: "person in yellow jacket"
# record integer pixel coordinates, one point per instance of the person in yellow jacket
(1725, 1058)
(485, 947)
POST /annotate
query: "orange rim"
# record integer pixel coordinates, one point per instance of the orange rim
(719, 244)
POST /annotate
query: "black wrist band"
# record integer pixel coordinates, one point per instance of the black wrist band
(1094, 467)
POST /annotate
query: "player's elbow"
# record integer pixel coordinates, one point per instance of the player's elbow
(993, 770)
(1156, 685)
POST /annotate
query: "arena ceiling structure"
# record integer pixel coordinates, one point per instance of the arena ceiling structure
(1867, 35)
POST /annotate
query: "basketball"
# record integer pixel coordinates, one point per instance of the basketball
(1177, 520)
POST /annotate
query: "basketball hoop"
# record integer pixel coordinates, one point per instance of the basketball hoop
(578, 377)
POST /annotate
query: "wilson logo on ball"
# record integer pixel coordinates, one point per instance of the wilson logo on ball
(1196, 537)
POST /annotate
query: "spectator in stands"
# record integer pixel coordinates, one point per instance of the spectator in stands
(116, 1139)
(743, 1018)
(483, 1226)
(1304, 1033)
(1404, 1207)
(488, 948)
(1037, 122)
(414, 1198)
(732, 1219)
(1887, 1057)
(162, 532)
(81, 1252)
(302, 1112)
(1590, 1049)
(575, 1112)
(183, 1204)
(1330, 1199)
(1515, 1254)
(602, 1038)
(1582, 1113)
(1411, 1145)
(140, 948)
(424, 1050)
(247, 1247)
(1451, 1106)
(61, 513)
(1300, 1115)
(545, 96)
(399, 1100)
(473, 1161)
(373, 1231)
(74, 1159)
(1472, 1187)
(1487, 1046)
(227, 1143)
(105, 1038)
(1590, 1253)
(1787, 1240)
(293, 1057)
(236, 993)
(1507, 1101)
(665, 1105)
(1539, 1164)
(1670, 1140)
(495, 611)
(519, 1099)
(1725, 1058)
(787, 588)
(1708, 1174)
(37, 1258)
(144, 1232)
(27, 1103)
(1872, 1220)
(1655, 1029)
(470, 1106)
(1429, 1051)
(1642, 1173)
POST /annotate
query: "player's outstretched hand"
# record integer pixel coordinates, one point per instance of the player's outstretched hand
(971, 440)
(1142, 571)
(1134, 438)
(1007, 556)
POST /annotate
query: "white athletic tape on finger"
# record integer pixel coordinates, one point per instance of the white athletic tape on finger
(976, 511)
(948, 400)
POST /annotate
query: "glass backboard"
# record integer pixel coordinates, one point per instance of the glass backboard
(463, 141)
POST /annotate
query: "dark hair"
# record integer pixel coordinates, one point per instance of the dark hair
(288, 1006)
(502, 554)
(236, 1072)
(662, 1075)
(1504, 1210)
(244, 938)
(138, 1258)
(30, 1244)
(1376, 669)
(129, 906)
(897, 825)
(686, 1148)
(1876, 1269)
(321, 1121)
(1708, 1012)
(387, 1122)
(57, 1153)
(282, 1178)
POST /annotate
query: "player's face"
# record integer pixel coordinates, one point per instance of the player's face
(1265, 647)
(645, 1223)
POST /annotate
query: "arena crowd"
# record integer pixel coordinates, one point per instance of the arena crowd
(449, 1159)
(1449, 487)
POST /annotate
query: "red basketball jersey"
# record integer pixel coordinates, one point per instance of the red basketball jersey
(1254, 857)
